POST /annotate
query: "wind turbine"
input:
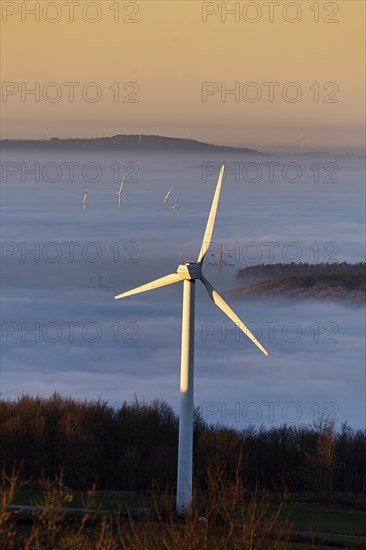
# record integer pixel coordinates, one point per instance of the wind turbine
(167, 195)
(302, 141)
(85, 199)
(175, 205)
(119, 193)
(189, 272)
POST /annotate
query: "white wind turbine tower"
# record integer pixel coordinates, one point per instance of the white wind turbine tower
(189, 272)
(119, 193)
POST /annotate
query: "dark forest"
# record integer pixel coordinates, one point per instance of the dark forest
(134, 448)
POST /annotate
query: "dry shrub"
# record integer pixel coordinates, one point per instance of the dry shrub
(228, 516)
(9, 484)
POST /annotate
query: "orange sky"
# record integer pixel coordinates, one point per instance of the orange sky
(170, 53)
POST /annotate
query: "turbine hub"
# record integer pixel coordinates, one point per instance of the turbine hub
(190, 270)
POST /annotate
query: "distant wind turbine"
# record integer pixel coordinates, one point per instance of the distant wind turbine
(167, 195)
(119, 193)
(302, 141)
(189, 272)
(101, 280)
(175, 205)
(85, 199)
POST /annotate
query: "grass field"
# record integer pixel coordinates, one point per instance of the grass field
(342, 522)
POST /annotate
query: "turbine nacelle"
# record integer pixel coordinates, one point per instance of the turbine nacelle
(190, 270)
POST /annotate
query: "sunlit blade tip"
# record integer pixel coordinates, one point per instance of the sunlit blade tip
(211, 218)
(220, 302)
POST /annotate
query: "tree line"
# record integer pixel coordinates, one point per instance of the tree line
(263, 272)
(133, 447)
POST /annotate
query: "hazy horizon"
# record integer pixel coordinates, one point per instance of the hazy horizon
(304, 152)
(269, 148)
(242, 74)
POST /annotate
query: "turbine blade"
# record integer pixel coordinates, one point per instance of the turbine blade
(220, 302)
(168, 193)
(211, 219)
(163, 281)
